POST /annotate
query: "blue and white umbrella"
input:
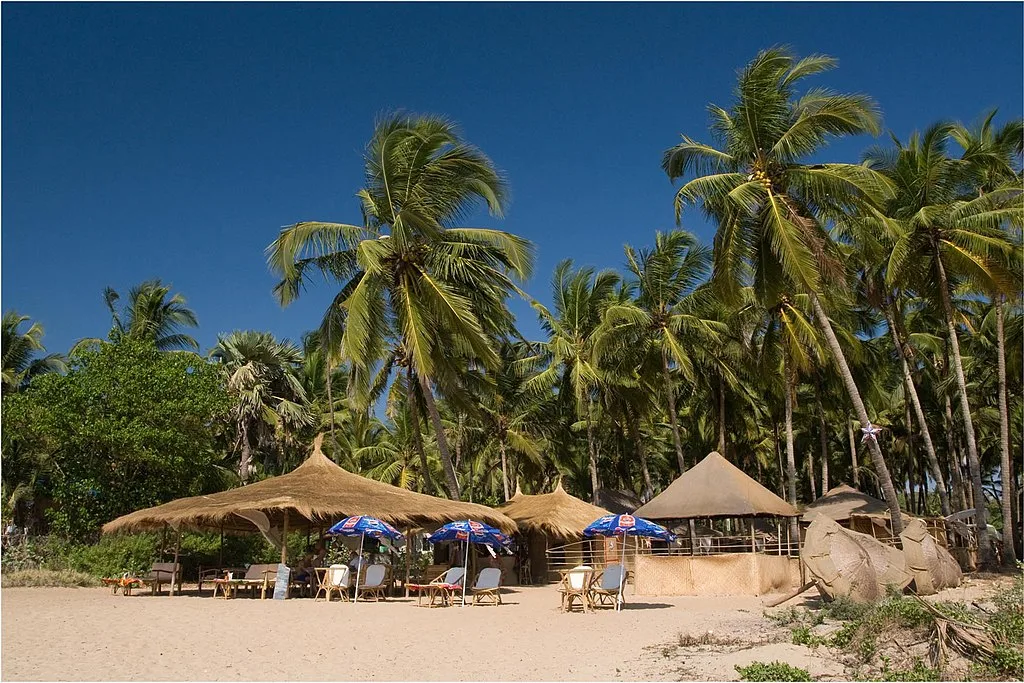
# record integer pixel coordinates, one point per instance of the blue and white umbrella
(624, 525)
(363, 526)
(468, 531)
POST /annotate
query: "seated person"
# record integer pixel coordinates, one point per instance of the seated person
(304, 569)
(319, 554)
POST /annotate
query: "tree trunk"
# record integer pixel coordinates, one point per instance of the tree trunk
(884, 480)
(915, 400)
(673, 419)
(417, 437)
(959, 490)
(330, 394)
(810, 473)
(853, 454)
(787, 372)
(638, 443)
(595, 482)
(778, 456)
(985, 554)
(1009, 555)
(915, 504)
(823, 441)
(721, 415)
(504, 466)
(245, 461)
(442, 440)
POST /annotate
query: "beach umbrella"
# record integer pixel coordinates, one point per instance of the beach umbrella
(467, 531)
(363, 526)
(624, 525)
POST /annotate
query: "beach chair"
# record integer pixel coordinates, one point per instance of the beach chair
(487, 586)
(375, 583)
(576, 586)
(335, 580)
(606, 590)
(161, 573)
(260, 576)
(441, 588)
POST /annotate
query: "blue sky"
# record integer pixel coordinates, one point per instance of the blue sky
(175, 140)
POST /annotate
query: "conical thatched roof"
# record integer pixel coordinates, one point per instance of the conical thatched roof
(842, 501)
(317, 491)
(715, 487)
(616, 501)
(555, 514)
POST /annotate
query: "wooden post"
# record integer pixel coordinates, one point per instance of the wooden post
(408, 558)
(693, 537)
(174, 572)
(753, 540)
(220, 559)
(284, 539)
(778, 534)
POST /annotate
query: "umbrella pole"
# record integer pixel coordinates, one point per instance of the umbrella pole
(408, 558)
(622, 575)
(359, 562)
(465, 568)
(174, 572)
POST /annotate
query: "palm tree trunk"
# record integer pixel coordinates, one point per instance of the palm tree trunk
(673, 419)
(959, 490)
(504, 466)
(853, 454)
(884, 480)
(778, 457)
(810, 473)
(442, 440)
(417, 437)
(246, 459)
(721, 414)
(985, 555)
(638, 443)
(595, 482)
(1009, 554)
(915, 400)
(787, 372)
(823, 441)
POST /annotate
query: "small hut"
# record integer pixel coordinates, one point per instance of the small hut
(750, 557)
(549, 520)
(854, 510)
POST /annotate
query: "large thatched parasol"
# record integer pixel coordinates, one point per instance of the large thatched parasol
(715, 487)
(555, 514)
(316, 492)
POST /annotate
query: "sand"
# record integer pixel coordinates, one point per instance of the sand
(89, 634)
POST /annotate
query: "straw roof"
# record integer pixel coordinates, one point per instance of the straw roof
(843, 501)
(616, 501)
(715, 487)
(317, 491)
(555, 514)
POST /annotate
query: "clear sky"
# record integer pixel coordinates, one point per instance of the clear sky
(174, 141)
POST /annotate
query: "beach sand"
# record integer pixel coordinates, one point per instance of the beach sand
(89, 634)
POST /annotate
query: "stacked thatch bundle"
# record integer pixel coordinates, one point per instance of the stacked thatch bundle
(931, 565)
(315, 493)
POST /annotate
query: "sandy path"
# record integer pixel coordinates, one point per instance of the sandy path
(88, 634)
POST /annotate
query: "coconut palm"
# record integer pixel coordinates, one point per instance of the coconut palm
(19, 349)
(940, 237)
(410, 280)
(149, 315)
(772, 206)
(263, 377)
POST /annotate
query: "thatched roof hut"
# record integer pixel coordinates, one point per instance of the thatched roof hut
(556, 514)
(616, 501)
(843, 501)
(715, 487)
(316, 492)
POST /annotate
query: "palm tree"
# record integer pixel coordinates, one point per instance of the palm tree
(148, 315)
(411, 282)
(940, 237)
(20, 363)
(582, 298)
(771, 206)
(263, 376)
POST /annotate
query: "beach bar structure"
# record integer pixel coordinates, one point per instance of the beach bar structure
(314, 495)
(552, 521)
(754, 559)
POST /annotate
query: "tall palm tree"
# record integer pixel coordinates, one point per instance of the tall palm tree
(19, 349)
(939, 237)
(772, 206)
(410, 280)
(263, 377)
(581, 300)
(148, 315)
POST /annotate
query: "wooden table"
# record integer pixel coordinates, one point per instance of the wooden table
(227, 586)
(440, 594)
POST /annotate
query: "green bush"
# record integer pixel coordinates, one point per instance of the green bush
(115, 555)
(918, 672)
(773, 671)
(47, 578)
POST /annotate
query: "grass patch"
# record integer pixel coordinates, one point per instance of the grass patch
(37, 578)
(772, 671)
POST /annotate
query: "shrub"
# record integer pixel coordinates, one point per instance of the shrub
(918, 672)
(48, 578)
(114, 555)
(773, 671)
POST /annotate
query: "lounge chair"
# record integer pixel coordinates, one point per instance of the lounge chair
(161, 573)
(606, 590)
(441, 588)
(576, 586)
(487, 586)
(375, 582)
(335, 580)
(262, 576)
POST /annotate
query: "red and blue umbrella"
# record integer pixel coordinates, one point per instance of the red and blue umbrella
(625, 525)
(467, 531)
(363, 526)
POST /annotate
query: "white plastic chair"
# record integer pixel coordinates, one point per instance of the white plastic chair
(337, 580)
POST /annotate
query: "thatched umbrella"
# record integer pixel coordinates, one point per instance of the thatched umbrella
(552, 516)
(316, 492)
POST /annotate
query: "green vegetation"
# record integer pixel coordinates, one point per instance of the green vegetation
(773, 671)
(39, 578)
(836, 292)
